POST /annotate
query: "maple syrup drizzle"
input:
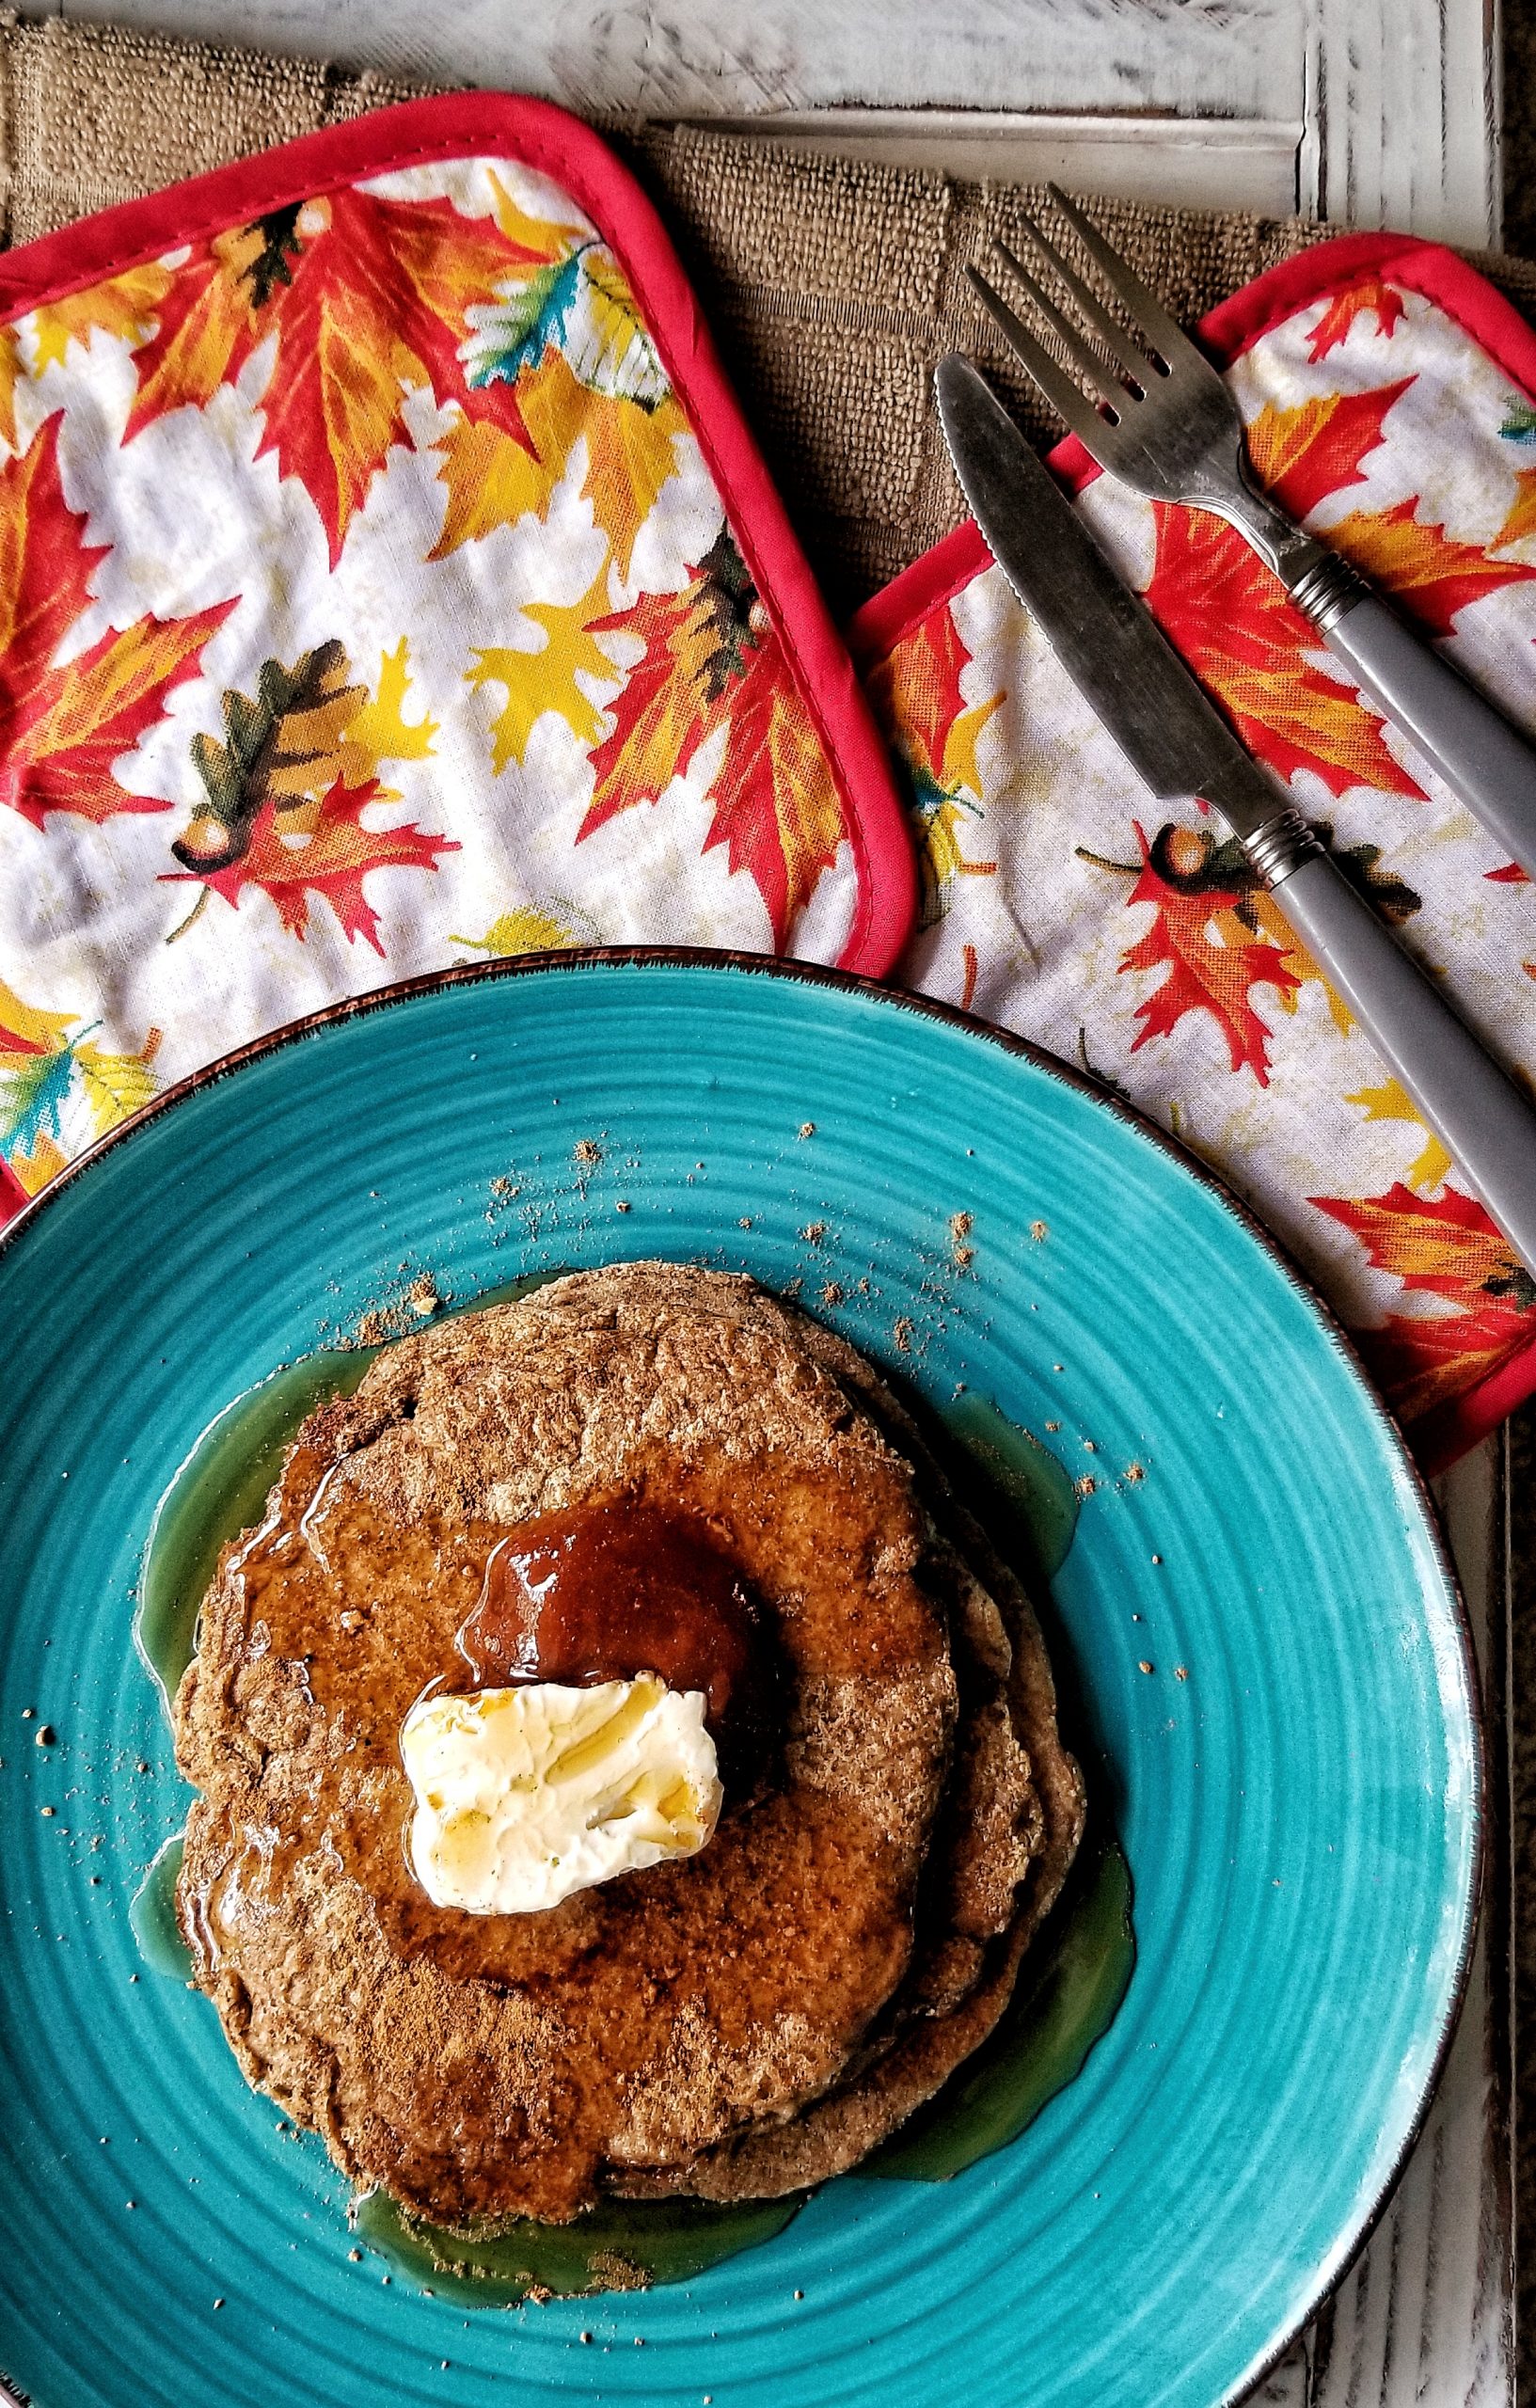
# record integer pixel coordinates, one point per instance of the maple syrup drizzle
(606, 1593)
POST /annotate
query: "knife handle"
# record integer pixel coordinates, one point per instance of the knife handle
(1478, 754)
(1481, 1117)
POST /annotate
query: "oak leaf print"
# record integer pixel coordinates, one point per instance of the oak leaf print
(284, 793)
(64, 725)
(713, 660)
(916, 692)
(362, 300)
(1445, 1246)
(1373, 296)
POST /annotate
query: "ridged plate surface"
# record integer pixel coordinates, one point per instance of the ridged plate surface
(1299, 1811)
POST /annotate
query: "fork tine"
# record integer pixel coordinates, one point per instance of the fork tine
(1059, 390)
(1112, 335)
(1145, 309)
(1078, 354)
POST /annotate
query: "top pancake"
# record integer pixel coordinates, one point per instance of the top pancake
(712, 2024)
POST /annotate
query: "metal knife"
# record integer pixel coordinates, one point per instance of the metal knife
(1121, 661)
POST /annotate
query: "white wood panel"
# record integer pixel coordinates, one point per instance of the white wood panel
(1403, 111)
(736, 57)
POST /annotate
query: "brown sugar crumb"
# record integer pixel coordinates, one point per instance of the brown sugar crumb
(371, 1329)
(502, 1187)
(46, 1811)
(1087, 1485)
(902, 1332)
(863, 1287)
(1144, 1665)
(808, 1129)
(1135, 1471)
(831, 1293)
(586, 1149)
(814, 1232)
(1181, 1671)
(1052, 1425)
(1090, 1446)
(622, 1204)
(960, 1225)
(538, 2293)
(46, 1735)
(421, 1295)
(1038, 1230)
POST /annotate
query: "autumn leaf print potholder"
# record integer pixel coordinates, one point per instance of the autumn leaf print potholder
(1390, 401)
(388, 577)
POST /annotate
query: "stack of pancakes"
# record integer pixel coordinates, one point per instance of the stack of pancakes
(738, 2024)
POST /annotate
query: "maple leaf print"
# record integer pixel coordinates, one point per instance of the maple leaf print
(1372, 296)
(697, 643)
(1446, 1246)
(916, 692)
(121, 304)
(1304, 453)
(1520, 519)
(777, 810)
(493, 481)
(1219, 881)
(1419, 564)
(537, 682)
(1243, 638)
(367, 299)
(1247, 643)
(1392, 1101)
(325, 850)
(64, 725)
(1206, 973)
(712, 658)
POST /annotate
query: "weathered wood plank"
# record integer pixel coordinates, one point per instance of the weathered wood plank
(736, 57)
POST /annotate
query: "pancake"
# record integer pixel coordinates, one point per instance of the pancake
(736, 2023)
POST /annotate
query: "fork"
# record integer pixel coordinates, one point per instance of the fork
(1161, 418)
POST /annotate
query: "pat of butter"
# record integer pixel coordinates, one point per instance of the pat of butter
(524, 1795)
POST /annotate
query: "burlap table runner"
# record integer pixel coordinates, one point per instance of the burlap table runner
(833, 288)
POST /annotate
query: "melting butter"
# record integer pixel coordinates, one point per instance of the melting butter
(524, 1795)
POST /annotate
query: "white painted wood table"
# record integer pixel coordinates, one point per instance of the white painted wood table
(1373, 112)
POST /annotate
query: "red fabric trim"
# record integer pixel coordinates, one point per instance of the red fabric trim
(12, 1194)
(1441, 1437)
(480, 124)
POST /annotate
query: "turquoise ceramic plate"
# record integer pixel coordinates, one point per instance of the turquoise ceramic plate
(1299, 1811)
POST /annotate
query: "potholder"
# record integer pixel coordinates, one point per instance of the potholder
(1390, 400)
(387, 576)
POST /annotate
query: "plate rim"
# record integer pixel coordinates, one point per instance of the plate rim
(576, 958)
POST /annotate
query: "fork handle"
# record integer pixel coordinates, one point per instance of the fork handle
(1478, 754)
(1479, 1113)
